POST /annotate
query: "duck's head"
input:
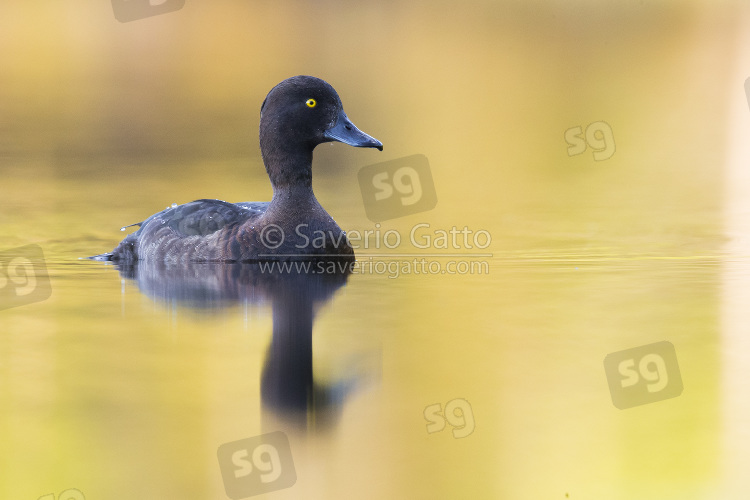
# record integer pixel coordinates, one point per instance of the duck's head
(302, 112)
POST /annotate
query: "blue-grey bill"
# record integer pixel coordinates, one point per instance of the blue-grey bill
(345, 131)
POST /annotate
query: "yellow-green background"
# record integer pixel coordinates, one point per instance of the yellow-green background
(104, 123)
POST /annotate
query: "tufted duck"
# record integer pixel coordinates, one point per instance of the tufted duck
(297, 115)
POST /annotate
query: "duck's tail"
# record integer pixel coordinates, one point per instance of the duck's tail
(102, 257)
(124, 253)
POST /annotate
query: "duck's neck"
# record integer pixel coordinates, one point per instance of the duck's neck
(291, 178)
(289, 169)
(296, 197)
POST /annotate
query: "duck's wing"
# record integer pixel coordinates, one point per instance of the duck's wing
(256, 207)
(168, 231)
(203, 217)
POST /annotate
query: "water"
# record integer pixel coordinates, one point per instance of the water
(433, 370)
(125, 374)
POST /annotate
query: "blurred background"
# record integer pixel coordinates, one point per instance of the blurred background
(103, 123)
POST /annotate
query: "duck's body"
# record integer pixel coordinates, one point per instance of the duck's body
(297, 115)
(214, 230)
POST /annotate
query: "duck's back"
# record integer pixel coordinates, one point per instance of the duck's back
(202, 230)
(214, 230)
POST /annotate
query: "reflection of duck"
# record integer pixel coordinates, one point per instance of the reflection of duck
(289, 391)
(297, 115)
(219, 285)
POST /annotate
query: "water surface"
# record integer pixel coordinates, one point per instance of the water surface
(126, 382)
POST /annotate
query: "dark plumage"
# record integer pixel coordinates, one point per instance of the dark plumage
(297, 115)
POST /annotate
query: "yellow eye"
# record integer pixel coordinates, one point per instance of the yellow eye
(311, 103)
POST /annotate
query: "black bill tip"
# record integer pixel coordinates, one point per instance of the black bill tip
(345, 131)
